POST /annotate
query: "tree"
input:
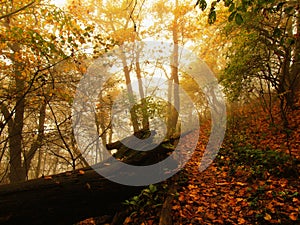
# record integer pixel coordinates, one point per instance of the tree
(265, 53)
(176, 23)
(120, 21)
(69, 197)
(29, 54)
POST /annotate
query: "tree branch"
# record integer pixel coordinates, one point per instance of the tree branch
(18, 10)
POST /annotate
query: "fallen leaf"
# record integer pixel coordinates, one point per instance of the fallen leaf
(267, 217)
(293, 216)
(200, 209)
(175, 207)
(210, 216)
(241, 220)
(127, 220)
(241, 184)
(181, 198)
(150, 222)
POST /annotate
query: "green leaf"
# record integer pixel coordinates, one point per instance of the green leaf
(242, 8)
(228, 3)
(232, 7)
(247, 3)
(239, 19)
(212, 17)
(135, 198)
(152, 188)
(132, 202)
(202, 4)
(231, 16)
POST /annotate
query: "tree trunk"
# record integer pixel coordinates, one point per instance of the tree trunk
(38, 141)
(17, 172)
(134, 117)
(174, 111)
(166, 211)
(295, 68)
(62, 199)
(69, 197)
(145, 121)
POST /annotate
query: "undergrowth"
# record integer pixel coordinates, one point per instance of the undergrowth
(259, 163)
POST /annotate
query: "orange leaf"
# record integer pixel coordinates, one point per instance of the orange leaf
(241, 220)
(127, 220)
(293, 216)
(150, 222)
(181, 198)
(267, 217)
(175, 207)
(210, 216)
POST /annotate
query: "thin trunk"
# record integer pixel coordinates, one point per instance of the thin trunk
(174, 76)
(295, 68)
(134, 117)
(145, 121)
(17, 173)
(63, 138)
(38, 166)
(38, 142)
(102, 125)
(169, 108)
(176, 86)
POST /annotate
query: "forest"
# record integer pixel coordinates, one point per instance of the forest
(149, 112)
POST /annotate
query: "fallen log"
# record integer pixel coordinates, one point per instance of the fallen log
(69, 197)
(61, 199)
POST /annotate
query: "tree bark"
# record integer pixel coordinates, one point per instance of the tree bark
(38, 141)
(174, 111)
(133, 114)
(62, 199)
(145, 121)
(166, 211)
(70, 197)
(17, 172)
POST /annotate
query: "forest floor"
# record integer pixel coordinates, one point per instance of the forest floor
(253, 180)
(233, 192)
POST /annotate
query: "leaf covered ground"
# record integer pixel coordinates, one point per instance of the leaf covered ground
(253, 180)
